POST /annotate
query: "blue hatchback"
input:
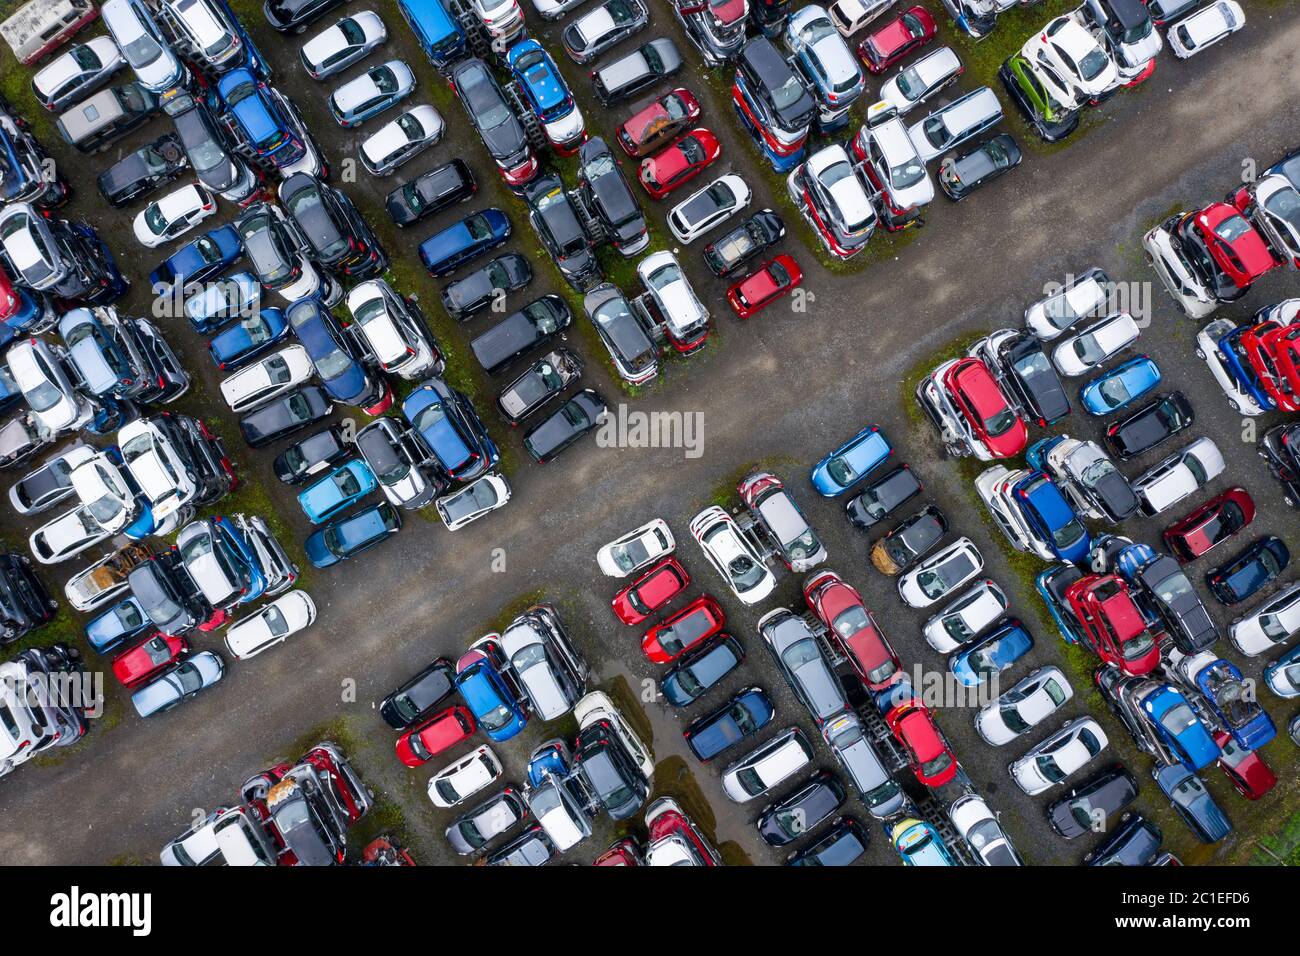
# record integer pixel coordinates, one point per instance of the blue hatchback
(347, 537)
(105, 369)
(335, 356)
(121, 622)
(1121, 386)
(474, 235)
(1008, 642)
(497, 710)
(1051, 518)
(851, 462)
(338, 490)
(1234, 357)
(542, 85)
(248, 338)
(1237, 708)
(451, 429)
(234, 296)
(748, 712)
(265, 127)
(1193, 803)
(1180, 728)
(199, 259)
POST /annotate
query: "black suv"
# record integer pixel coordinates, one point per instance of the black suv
(1032, 380)
(609, 770)
(770, 95)
(556, 223)
(430, 193)
(338, 238)
(606, 192)
(149, 167)
(24, 603)
(517, 333)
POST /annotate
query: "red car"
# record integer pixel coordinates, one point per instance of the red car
(1236, 247)
(9, 300)
(1284, 346)
(1245, 768)
(1211, 524)
(659, 123)
(1257, 343)
(764, 285)
(622, 853)
(977, 397)
(1112, 625)
(425, 741)
(333, 770)
(679, 163)
(932, 759)
(900, 37)
(693, 624)
(673, 837)
(839, 606)
(651, 591)
(137, 665)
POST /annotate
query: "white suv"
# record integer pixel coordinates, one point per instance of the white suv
(767, 766)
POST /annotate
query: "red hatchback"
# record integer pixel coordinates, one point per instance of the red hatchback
(903, 35)
(1257, 341)
(692, 625)
(1237, 248)
(839, 606)
(1284, 345)
(651, 591)
(765, 285)
(137, 665)
(679, 163)
(426, 740)
(1211, 524)
(931, 758)
(661, 121)
(1112, 625)
(1246, 769)
(979, 400)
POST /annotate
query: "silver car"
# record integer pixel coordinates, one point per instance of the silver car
(83, 69)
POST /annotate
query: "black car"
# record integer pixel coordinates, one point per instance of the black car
(1032, 379)
(285, 415)
(1252, 569)
(431, 193)
(1087, 807)
(606, 192)
(538, 384)
(311, 455)
(477, 290)
(337, 237)
(883, 496)
(149, 167)
(167, 595)
(1164, 587)
(167, 378)
(557, 225)
(24, 603)
(520, 331)
(1280, 447)
(419, 695)
(960, 175)
(1135, 843)
(747, 241)
(203, 452)
(491, 115)
(916, 535)
(271, 245)
(843, 844)
(207, 150)
(782, 823)
(1212, 276)
(609, 770)
(304, 820)
(700, 669)
(294, 16)
(564, 426)
(770, 94)
(1161, 418)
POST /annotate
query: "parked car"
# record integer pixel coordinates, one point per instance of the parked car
(1206, 27)
(633, 72)
(783, 822)
(805, 667)
(1028, 702)
(601, 28)
(498, 127)
(431, 192)
(684, 630)
(1088, 807)
(940, 574)
(961, 174)
(1156, 421)
(731, 555)
(746, 713)
(606, 192)
(418, 695)
(181, 682)
(310, 455)
(347, 41)
(699, 670)
(346, 537)
(561, 428)
(767, 766)
(1252, 569)
(370, 93)
(996, 652)
(966, 617)
(1063, 753)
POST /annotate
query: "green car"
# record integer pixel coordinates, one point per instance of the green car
(1050, 120)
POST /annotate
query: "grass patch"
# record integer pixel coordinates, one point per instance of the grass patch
(724, 494)
(629, 705)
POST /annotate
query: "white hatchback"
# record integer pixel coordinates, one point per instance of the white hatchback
(1023, 707)
(731, 555)
(1095, 344)
(1066, 752)
(401, 139)
(338, 46)
(639, 547)
(708, 208)
(464, 777)
(271, 625)
(1181, 474)
(965, 618)
(173, 215)
(267, 379)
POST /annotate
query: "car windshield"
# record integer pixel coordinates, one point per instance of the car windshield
(745, 572)
(1000, 422)
(1089, 349)
(908, 173)
(910, 83)
(788, 93)
(1092, 65)
(1285, 205)
(1069, 534)
(935, 581)
(840, 471)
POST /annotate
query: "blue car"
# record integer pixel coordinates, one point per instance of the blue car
(10, 393)
(234, 296)
(1051, 518)
(199, 259)
(1236, 707)
(550, 759)
(919, 844)
(474, 235)
(439, 36)
(340, 489)
(700, 669)
(1121, 386)
(259, 117)
(547, 94)
(745, 714)
(248, 338)
(1005, 644)
(496, 708)
(1193, 803)
(1180, 728)
(347, 537)
(30, 316)
(451, 429)
(120, 623)
(1051, 586)
(851, 462)
(1234, 358)
(336, 357)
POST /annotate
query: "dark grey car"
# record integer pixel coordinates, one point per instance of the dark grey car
(520, 331)
(797, 651)
(602, 27)
(639, 69)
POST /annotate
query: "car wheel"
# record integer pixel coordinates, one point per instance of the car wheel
(1200, 354)
(52, 604)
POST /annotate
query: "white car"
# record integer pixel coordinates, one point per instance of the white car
(1205, 27)
(597, 706)
(207, 27)
(557, 810)
(1129, 31)
(672, 294)
(1074, 53)
(1270, 626)
(1022, 708)
(554, 9)
(708, 208)
(636, 549)
(503, 18)
(921, 80)
(67, 536)
(173, 215)
(940, 574)
(82, 70)
(833, 199)
(966, 617)
(158, 469)
(1067, 751)
(1177, 274)
(731, 555)
(1207, 349)
(229, 836)
(674, 849)
(40, 373)
(994, 486)
(267, 379)
(1275, 209)
(486, 493)
(270, 625)
(142, 43)
(548, 670)
(1095, 344)
(885, 143)
(404, 138)
(1181, 474)
(104, 490)
(464, 777)
(349, 40)
(1081, 296)
(979, 827)
(392, 331)
(767, 766)
(850, 16)
(50, 483)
